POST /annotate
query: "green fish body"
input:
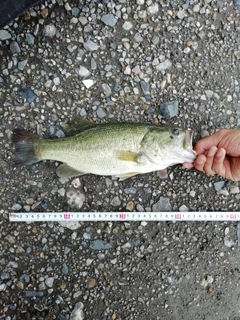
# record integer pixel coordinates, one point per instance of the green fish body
(117, 149)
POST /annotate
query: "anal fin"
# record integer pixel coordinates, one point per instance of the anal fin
(65, 171)
(126, 175)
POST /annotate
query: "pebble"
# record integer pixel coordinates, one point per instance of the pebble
(162, 174)
(27, 94)
(183, 208)
(75, 198)
(88, 83)
(130, 206)
(89, 45)
(219, 185)
(64, 268)
(106, 89)
(101, 112)
(77, 313)
(32, 293)
(100, 245)
(236, 4)
(83, 72)
(72, 225)
(93, 64)
(109, 19)
(145, 87)
(14, 47)
(162, 205)
(49, 30)
(127, 25)
(181, 14)
(116, 201)
(5, 35)
(30, 38)
(22, 64)
(49, 282)
(166, 64)
(169, 109)
(130, 190)
(153, 9)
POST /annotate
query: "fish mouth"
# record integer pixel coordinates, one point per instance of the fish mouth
(187, 143)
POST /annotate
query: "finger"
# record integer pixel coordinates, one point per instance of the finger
(206, 143)
(218, 162)
(200, 162)
(188, 165)
(208, 167)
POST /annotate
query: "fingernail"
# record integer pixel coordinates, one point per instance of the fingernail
(220, 153)
(212, 151)
(200, 160)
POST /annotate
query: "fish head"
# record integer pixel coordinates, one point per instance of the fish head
(177, 143)
(169, 145)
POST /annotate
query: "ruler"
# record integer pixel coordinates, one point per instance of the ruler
(124, 216)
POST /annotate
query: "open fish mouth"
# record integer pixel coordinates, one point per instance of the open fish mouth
(187, 143)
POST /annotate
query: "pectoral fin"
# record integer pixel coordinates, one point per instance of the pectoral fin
(64, 171)
(127, 156)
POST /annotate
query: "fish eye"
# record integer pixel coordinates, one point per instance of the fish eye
(175, 132)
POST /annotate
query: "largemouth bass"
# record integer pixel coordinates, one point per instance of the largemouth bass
(117, 149)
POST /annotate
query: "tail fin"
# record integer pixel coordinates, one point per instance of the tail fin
(25, 147)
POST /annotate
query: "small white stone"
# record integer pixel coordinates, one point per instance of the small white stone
(127, 25)
(88, 83)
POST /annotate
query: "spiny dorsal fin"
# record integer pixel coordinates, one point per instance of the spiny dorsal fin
(77, 125)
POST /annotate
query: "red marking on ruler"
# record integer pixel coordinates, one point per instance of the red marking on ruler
(66, 216)
(178, 216)
(233, 216)
(122, 216)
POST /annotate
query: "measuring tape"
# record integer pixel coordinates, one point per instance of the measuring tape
(124, 216)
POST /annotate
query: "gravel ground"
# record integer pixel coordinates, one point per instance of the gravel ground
(173, 62)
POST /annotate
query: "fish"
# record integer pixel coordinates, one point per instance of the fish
(117, 149)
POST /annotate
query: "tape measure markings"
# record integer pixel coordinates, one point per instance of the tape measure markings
(124, 216)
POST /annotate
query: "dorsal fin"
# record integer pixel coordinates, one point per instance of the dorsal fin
(77, 125)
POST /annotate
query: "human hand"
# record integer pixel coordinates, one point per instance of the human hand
(219, 154)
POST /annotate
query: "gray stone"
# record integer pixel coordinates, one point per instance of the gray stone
(100, 245)
(219, 185)
(64, 268)
(83, 72)
(138, 37)
(127, 25)
(109, 19)
(130, 190)
(166, 64)
(27, 94)
(30, 38)
(155, 39)
(75, 11)
(106, 89)
(162, 205)
(49, 30)
(116, 201)
(89, 45)
(145, 87)
(77, 313)
(169, 109)
(14, 47)
(22, 64)
(236, 4)
(49, 282)
(101, 113)
(93, 64)
(5, 35)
